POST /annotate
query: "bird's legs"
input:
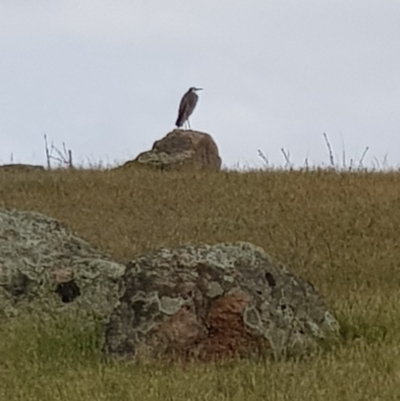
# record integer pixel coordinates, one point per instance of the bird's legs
(189, 124)
(186, 124)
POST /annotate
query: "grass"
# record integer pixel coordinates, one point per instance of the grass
(339, 230)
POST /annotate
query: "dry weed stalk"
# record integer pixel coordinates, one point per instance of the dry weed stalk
(64, 157)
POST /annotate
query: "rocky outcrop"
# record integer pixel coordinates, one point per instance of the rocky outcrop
(46, 269)
(180, 149)
(208, 302)
(21, 168)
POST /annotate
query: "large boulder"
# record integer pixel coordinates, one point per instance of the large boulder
(45, 269)
(209, 302)
(179, 149)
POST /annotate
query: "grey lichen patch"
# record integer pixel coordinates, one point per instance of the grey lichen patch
(287, 312)
(228, 279)
(158, 159)
(252, 318)
(169, 305)
(315, 329)
(330, 322)
(214, 290)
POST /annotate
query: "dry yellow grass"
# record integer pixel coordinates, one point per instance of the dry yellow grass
(341, 231)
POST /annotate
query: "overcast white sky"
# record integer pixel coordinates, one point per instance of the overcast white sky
(106, 77)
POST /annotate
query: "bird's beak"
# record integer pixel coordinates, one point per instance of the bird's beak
(199, 89)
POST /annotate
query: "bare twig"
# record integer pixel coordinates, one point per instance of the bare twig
(48, 156)
(262, 155)
(60, 155)
(343, 152)
(378, 165)
(286, 155)
(64, 157)
(344, 157)
(385, 161)
(328, 145)
(70, 158)
(360, 163)
(306, 163)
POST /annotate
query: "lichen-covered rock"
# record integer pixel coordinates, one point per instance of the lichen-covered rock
(46, 270)
(208, 302)
(180, 149)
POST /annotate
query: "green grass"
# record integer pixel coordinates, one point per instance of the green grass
(63, 362)
(339, 230)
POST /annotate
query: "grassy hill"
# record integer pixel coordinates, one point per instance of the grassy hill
(341, 231)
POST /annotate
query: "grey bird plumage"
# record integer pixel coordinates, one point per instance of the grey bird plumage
(187, 105)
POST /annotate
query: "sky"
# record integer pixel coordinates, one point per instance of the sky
(106, 77)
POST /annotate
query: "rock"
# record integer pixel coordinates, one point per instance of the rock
(209, 302)
(46, 270)
(21, 168)
(179, 149)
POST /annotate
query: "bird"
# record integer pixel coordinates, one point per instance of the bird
(187, 105)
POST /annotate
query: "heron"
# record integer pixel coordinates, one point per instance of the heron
(187, 105)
